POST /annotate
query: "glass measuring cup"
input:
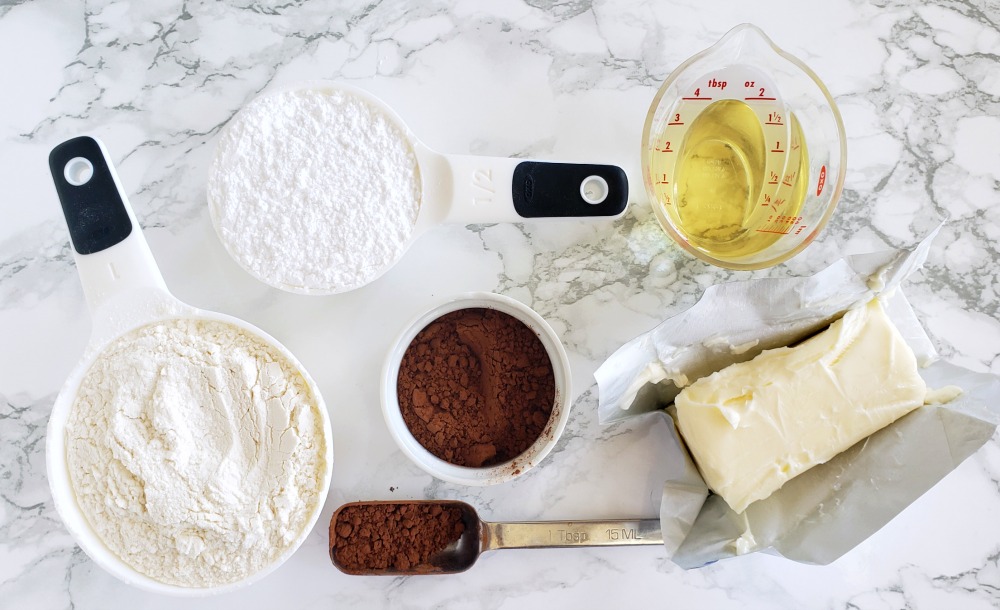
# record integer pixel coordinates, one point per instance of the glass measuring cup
(125, 291)
(743, 153)
(448, 189)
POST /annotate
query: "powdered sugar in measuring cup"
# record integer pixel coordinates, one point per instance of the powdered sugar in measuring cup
(314, 190)
(320, 188)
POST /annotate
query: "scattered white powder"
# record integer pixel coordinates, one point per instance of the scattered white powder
(196, 452)
(314, 190)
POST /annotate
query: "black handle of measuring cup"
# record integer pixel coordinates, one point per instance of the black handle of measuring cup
(95, 210)
(547, 190)
(112, 257)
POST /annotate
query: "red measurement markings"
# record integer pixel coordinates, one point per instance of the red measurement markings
(772, 178)
(763, 99)
(675, 123)
(770, 123)
(778, 150)
(800, 229)
(775, 232)
(697, 96)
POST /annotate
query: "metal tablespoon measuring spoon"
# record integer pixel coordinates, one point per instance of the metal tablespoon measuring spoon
(481, 536)
(353, 138)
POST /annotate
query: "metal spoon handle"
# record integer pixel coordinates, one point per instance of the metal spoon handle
(548, 534)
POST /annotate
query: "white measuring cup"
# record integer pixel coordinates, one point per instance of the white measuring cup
(464, 189)
(743, 121)
(125, 291)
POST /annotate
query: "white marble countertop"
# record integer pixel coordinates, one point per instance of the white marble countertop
(919, 88)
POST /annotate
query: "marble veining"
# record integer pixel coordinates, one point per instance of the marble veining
(918, 85)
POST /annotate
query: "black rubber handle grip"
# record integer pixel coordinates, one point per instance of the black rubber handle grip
(553, 190)
(94, 209)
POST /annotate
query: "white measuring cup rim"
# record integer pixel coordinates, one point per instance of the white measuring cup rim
(499, 473)
(125, 292)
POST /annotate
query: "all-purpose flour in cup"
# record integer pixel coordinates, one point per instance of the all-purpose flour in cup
(195, 451)
(189, 452)
(319, 188)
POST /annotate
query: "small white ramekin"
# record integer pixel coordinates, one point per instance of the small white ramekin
(505, 471)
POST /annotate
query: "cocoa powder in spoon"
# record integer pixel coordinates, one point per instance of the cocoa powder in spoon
(392, 537)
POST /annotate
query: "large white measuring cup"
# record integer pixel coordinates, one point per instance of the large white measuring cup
(743, 153)
(125, 291)
(451, 189)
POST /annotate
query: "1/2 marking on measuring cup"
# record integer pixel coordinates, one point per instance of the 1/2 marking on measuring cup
(482, 179)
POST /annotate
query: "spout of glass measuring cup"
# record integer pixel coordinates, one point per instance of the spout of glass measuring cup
(112, 256)
(496, 189)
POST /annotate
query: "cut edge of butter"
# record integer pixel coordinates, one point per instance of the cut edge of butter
(754, 425)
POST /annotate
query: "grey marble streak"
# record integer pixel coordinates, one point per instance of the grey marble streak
(49, 556)
(170, 74)
(172, 68)
(922, 124)
(165, 60)
(925, 125)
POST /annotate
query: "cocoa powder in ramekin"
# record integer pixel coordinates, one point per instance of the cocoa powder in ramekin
(476, 387)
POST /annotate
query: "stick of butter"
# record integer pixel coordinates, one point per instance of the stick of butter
(754, 425)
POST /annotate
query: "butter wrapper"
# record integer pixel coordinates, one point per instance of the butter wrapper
(826, 511)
